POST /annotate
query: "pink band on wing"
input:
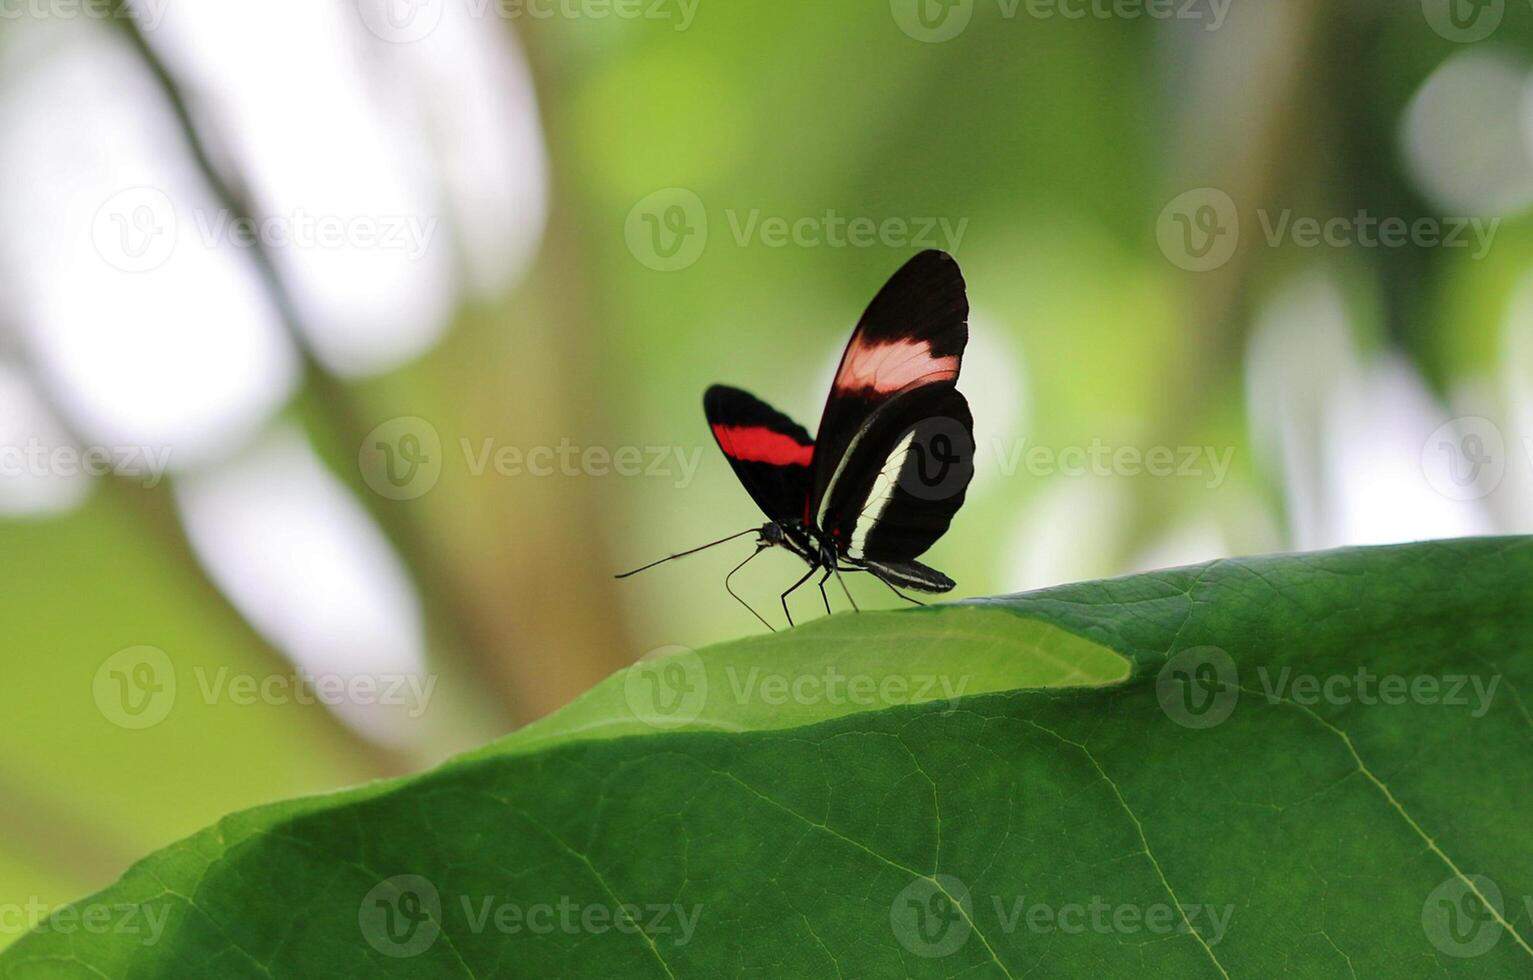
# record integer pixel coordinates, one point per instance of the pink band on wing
(758, 444)
(888, 367)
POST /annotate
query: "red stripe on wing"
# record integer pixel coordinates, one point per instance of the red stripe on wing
(759, 444)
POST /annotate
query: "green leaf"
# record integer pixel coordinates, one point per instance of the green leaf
(1311, 764)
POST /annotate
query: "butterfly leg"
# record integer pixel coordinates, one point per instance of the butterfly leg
(793, 588)
(823, 579)
(759, 549)
(855, 607)
(897, 592)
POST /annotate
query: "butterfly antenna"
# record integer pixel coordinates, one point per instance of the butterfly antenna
(759, 549)
(690, 551)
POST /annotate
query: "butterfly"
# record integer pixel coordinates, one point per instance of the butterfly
(895, 448)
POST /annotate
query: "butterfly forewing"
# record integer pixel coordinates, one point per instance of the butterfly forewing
(911, 336)
(770, 453)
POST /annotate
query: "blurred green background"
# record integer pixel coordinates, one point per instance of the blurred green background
(1124, 185)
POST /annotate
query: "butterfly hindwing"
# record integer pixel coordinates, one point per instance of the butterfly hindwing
(912, 335)
(911, 575)
(770, 453)
(903, 476)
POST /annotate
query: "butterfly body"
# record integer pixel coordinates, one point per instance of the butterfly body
(894, 453)
(895, 449)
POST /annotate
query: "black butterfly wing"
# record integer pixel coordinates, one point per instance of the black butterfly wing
(770, 453)
(911, 336)
(904, 475)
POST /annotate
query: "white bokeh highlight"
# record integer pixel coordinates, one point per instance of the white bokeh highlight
(302, 561)
(285, 94)
(1377, 431)
(30, 434)
(416, 156)
(472, 90)
(1466, 135)
(140, 334)
(1344, 432)
(1069, 531)
(994, 380)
